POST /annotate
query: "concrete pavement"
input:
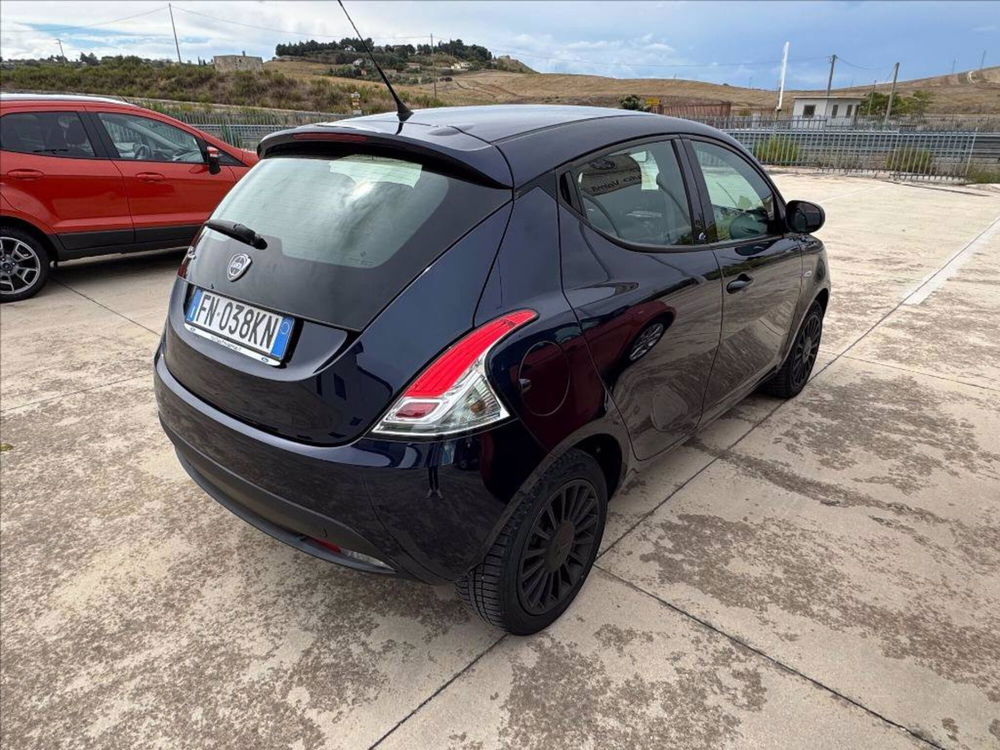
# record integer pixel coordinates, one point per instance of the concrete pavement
(823, 572)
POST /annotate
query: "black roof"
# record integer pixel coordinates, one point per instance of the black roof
(510, 144)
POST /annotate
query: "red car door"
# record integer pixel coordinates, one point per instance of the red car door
(171, 190)
(52, 171)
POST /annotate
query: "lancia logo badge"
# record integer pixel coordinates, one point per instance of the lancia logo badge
(238, 266)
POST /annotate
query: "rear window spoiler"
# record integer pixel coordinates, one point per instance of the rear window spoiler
(444, 148)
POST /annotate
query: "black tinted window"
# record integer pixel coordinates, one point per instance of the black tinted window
(741, 200)
(638, 195)
(344, 234)
(45, 133)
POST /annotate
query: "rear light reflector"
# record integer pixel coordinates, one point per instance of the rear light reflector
(453, 393)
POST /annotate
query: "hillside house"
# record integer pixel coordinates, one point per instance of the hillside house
(832, 110)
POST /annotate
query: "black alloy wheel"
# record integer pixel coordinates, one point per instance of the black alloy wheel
(559, 546)
(794, 372)
(540, 559)
(805, 349)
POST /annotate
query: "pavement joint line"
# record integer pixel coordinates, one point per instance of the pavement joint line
(437, 692)
(936, 279)
(110, 310)
(13, 409)
(856, 358)
(778, 663)
(855, 192)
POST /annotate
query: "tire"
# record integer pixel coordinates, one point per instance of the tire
(524, 583)
(794, 373)
(24, 264)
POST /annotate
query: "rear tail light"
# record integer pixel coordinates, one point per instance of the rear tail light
(453, 394)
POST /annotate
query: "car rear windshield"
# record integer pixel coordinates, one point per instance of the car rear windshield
(344, 234)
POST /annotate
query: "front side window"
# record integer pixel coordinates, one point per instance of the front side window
(742, 202)
(45, 134)
(637, 194)
(145, 139)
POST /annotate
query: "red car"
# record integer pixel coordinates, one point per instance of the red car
(83, 176)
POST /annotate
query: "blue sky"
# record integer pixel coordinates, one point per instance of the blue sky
(725, 42)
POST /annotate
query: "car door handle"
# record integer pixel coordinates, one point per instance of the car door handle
(150, 177)
(738, 284)
(25, 174)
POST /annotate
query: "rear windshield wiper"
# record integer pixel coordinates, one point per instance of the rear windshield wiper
(238, 232)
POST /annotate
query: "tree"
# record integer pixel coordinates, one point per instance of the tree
(875, 104)
(631, 101)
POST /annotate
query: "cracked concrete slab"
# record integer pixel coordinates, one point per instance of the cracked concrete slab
(854, 536)
(61, 343)
(851, 534)
(138, 613)
(622, 670)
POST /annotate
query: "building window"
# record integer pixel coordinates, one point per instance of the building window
(835, 108)
(809, 110)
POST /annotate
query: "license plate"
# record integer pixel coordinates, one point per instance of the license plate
(238, 326)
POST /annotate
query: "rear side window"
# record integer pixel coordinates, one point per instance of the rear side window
(742, 202)
(45, 133)
(637, 195)
(344, 234)
(146, 139)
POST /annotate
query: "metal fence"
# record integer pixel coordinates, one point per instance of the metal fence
(240, 126)
(862, 147)
(922, 155)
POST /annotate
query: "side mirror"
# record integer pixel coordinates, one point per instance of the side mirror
(803, 216)
(212, 159)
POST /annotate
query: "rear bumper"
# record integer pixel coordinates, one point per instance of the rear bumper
(427, 511)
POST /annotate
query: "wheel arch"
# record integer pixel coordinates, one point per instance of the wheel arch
(607, 451)
(32, 229)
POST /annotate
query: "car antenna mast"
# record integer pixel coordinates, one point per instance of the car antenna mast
(402, 110)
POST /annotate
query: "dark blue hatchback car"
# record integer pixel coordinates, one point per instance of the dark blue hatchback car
(434, 348)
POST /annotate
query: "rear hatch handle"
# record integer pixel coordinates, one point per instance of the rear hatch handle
(237, 231)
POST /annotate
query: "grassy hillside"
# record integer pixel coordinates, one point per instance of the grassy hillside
(202, 83)
(969, 92)
(297, 84)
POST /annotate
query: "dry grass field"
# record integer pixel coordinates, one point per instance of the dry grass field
(967, 92)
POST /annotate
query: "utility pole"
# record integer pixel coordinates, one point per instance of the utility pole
(781, 85)
(176, 44)
(829, 81)
(61, 53)
(955, 60)
(982, 60)
(433, 69)
(892, 94)
(871, 98)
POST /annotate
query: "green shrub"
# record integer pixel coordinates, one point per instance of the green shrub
(777, 150)
(909, 159)
(983, 175)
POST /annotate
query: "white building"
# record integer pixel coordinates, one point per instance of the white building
(833, 110)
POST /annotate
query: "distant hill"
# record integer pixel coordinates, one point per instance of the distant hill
(281, 88)
(294, 83)
(961, 93)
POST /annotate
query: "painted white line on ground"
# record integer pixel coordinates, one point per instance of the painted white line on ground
(934, 281)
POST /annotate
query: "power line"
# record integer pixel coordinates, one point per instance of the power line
(71, 27)
(285, 31)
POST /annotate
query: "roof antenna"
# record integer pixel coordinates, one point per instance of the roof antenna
(402, 110)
